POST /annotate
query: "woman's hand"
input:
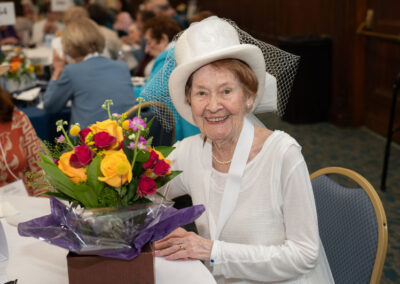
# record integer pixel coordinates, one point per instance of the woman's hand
(181, 244)
(58, 64)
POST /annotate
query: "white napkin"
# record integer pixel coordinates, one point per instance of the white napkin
(6, 209)
(28, 95)
(3, 255)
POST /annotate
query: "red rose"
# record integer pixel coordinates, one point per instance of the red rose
(83, 133)
(149, 164)
(161, 168)
(81, 157)
(103, 140)
(146, 186)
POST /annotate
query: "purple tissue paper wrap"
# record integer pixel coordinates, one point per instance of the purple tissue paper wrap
(119, 233)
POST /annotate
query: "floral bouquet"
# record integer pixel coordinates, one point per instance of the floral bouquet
(110, 176)
(21, 74)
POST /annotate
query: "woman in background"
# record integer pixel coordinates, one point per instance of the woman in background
(90, 79)
(19, 145)
(159, 32)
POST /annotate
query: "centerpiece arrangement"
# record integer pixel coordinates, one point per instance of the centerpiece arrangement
(110, 176)
(21, 74)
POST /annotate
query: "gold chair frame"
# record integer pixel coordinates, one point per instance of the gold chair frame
(379, 213)
(145, 105)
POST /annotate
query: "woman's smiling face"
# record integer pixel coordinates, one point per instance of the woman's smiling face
(218, 103)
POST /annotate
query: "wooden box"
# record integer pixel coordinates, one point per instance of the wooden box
(90, 269)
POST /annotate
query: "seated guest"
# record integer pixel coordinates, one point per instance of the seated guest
(159, 32)
(19, 145)
(90, 79)
(23, 25)
(260, 224)
(113, 45)
(163, 8)
(8, 35)
(122, 23)
(48, 26)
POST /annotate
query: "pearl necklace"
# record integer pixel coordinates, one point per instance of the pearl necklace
(221, 162)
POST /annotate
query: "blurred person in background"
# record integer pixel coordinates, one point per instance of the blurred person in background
(23, 25)
(163, 8)
(143, 58)
(48, 26)
(159, 33)
(99, 14)
(89, 79)
(122, 23)
(19, 144)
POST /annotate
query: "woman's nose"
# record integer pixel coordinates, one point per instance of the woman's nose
(213, 103)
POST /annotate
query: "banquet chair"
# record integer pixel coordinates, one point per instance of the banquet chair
(161, 135)
(352, 225)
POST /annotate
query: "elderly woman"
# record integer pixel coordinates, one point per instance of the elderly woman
(159, 32)
(260, 224)
(90, 79)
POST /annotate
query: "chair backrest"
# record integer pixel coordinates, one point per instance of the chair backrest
(352, 226)
(161, 135)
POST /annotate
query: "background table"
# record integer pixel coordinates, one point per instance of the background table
(45, 123)
(33, 261)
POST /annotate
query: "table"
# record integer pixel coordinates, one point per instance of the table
(45, 123)
(33, 261)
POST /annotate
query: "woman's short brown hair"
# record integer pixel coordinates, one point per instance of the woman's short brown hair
(6, 106)
(160, 25)
(239, 69)
(82, 37)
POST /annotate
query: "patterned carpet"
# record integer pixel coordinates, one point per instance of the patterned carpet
(361, 150)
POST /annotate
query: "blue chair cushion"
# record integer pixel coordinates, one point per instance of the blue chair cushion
(348, 230)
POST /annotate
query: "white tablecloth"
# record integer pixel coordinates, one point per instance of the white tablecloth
(34, 261)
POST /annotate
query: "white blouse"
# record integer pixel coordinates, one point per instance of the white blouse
(272, 235)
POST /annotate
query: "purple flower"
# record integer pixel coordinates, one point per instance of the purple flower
(61, 139)
(141, 144)
(137, 123)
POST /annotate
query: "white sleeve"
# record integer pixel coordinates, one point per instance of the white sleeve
(298, 254)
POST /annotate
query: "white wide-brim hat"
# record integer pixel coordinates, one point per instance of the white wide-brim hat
(210, 40)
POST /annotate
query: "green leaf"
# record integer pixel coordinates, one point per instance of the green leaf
(161, 195)
(142, 156)
(165, 150)
(57, 178)
(168, 178)
(93, 172)
(86, 195)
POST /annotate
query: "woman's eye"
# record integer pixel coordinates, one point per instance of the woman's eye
(227, 91)
(201, 93)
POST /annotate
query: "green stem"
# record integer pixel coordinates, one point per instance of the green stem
(108, 111)
(67, 138)
(136, 149)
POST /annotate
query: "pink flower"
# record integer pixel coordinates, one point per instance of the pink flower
(150, 163)
(61, 139)
(161, 168)
(136, 123)
(81, 157)
(146, 186)
(103, 140)
(83, 133)
(141, 144)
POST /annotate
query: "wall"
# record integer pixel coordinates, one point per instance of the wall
(363, 69)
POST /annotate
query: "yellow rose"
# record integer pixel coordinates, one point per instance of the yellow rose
(111, 127)
(111, 164)
(75, 174)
